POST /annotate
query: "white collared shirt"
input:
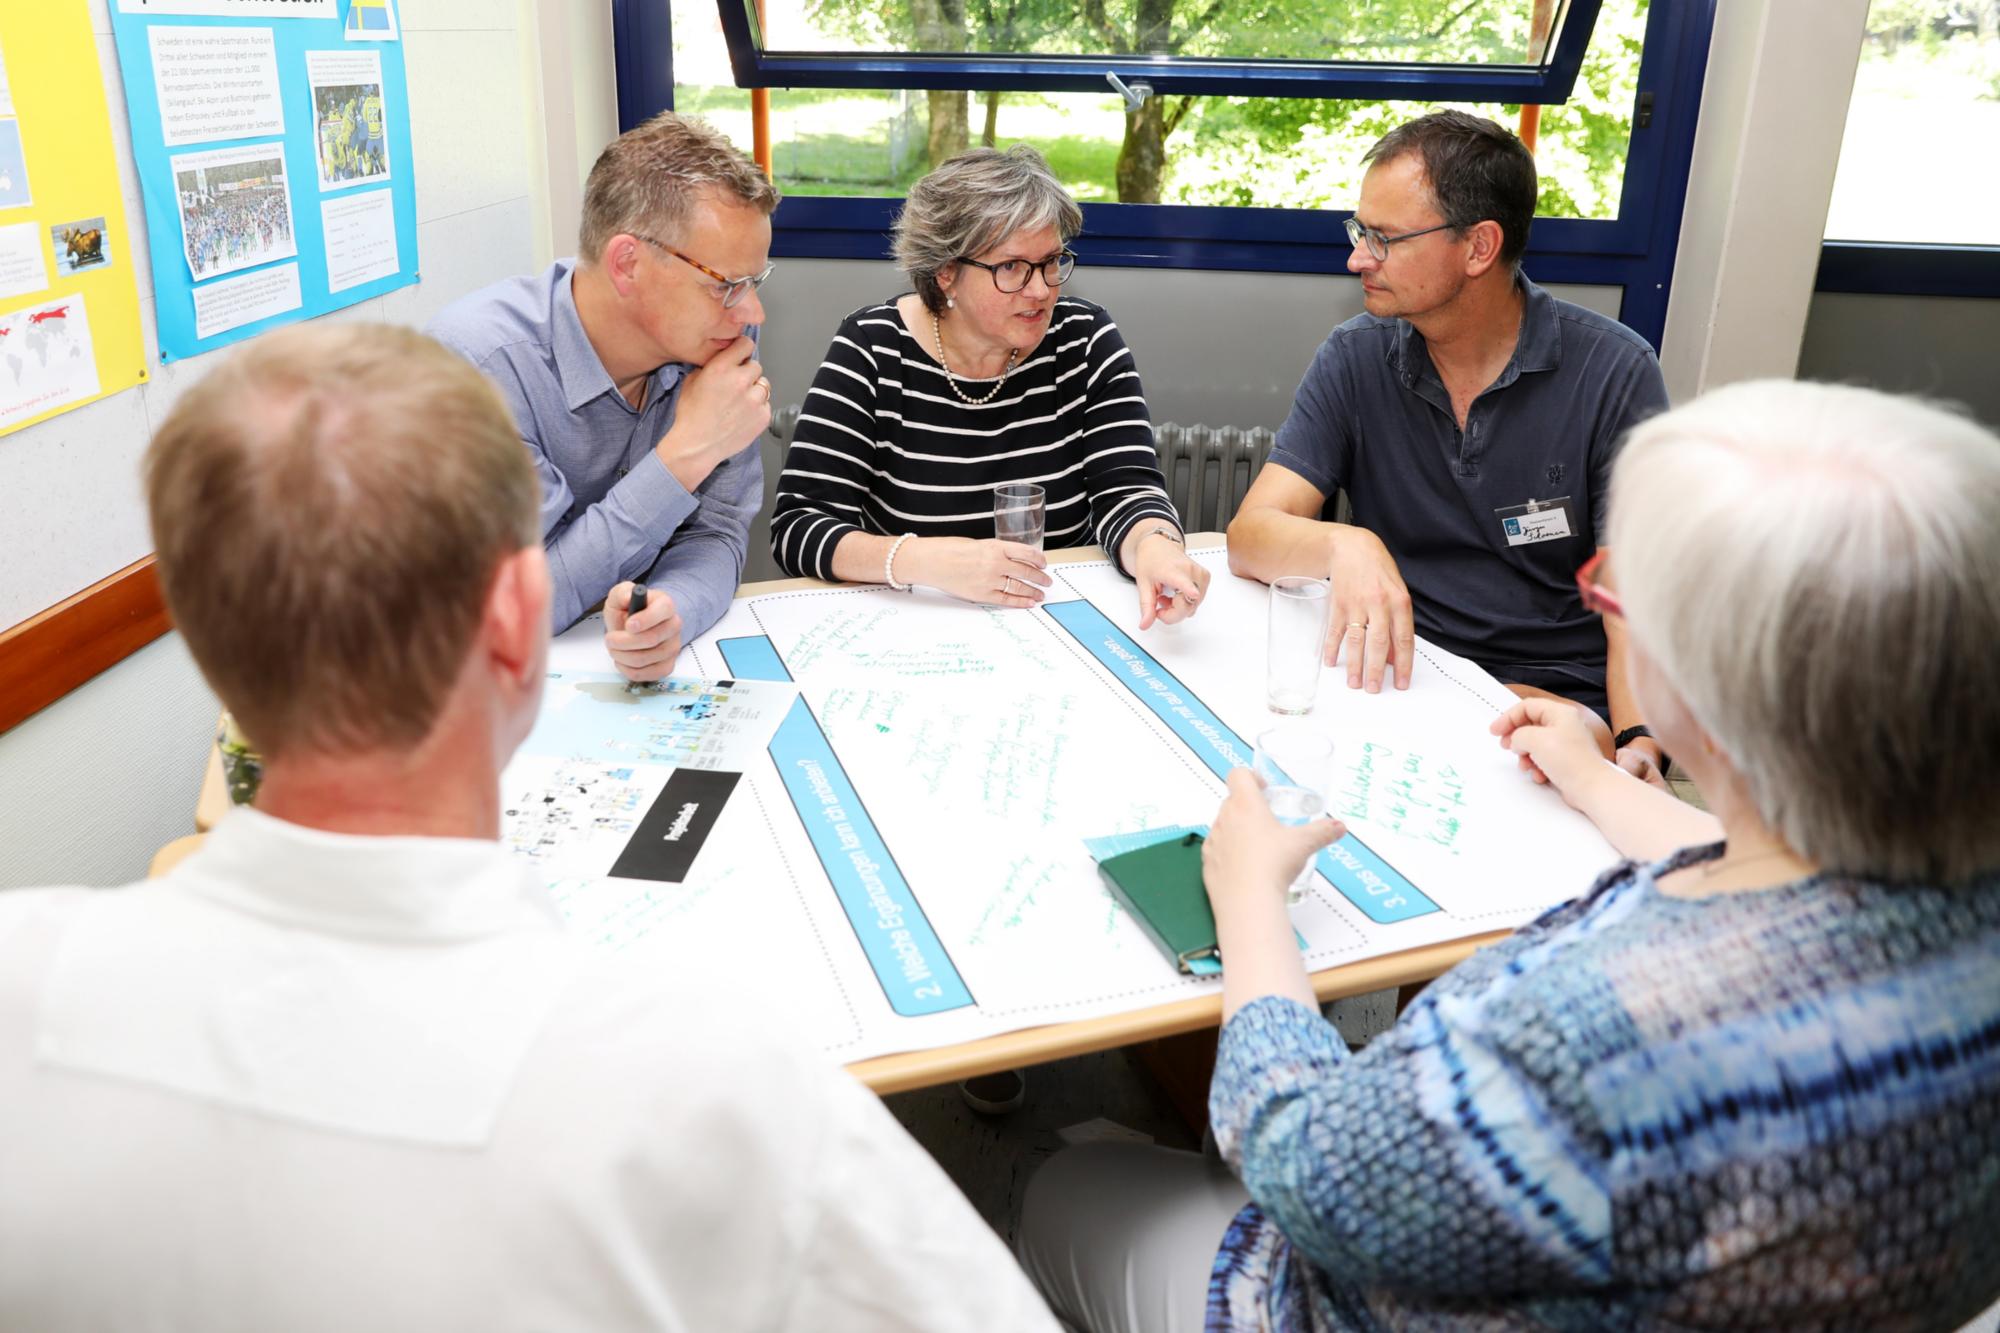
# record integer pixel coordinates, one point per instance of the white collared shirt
(309, 1081)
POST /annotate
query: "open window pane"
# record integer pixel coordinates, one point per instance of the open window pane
(1916, 164)
(1232, 151)
(1483, 32)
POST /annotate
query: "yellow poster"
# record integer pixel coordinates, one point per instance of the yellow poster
(69, 303)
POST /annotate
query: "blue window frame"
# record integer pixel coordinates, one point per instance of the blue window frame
(1634, 251)
(1547, 80)
(1887, 268)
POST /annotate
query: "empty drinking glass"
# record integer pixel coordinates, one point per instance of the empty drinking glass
(1299, 611)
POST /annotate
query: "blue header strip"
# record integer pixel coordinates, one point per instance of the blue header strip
(1350, 865)
(909, 961)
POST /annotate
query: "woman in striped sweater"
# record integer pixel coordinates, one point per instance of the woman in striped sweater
(983, 376)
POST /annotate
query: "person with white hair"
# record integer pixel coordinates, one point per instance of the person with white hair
(1751, 1078)
(986, 375)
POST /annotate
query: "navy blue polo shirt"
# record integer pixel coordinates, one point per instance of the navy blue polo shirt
(1487, 525)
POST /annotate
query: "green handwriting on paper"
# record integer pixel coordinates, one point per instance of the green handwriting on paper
(1403, 792)
(1044, 895)
(1007, 763)
(865, 637)
(1015, 901)
(871, 636)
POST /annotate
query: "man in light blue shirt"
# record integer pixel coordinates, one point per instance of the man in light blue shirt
(632, 374)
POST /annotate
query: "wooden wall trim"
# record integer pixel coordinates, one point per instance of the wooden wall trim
(48, 655)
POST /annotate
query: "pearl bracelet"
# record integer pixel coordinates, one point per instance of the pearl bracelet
(889, 564)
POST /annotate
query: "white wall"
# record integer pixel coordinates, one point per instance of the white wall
(92, 785)
(1773, 107)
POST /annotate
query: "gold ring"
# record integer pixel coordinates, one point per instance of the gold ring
(1357, 624)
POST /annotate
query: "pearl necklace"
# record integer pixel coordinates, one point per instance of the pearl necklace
(1013, 355)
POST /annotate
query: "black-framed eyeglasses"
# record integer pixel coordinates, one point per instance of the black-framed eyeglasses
(1011, 275)
(732, 289)
(1378, 244)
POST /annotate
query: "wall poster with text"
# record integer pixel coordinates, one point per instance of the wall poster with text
(272, 139)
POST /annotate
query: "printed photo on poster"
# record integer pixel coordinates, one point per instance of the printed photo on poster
(14, 192)
(350, 129)
(47, 359)
(80, 246)
(371, 21)
(235, 210)
(215, 83)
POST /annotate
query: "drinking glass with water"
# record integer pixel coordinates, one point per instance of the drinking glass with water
(1296, 764)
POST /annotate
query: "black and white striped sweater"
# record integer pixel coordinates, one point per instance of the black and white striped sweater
(884, 446)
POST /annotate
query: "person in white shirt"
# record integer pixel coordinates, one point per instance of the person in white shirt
(342, 1068)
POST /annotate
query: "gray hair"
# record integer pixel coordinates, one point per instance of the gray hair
(648, 180)
(974, 201)
(1815, 570)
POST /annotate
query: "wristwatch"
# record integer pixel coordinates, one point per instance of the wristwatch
(1633, 733)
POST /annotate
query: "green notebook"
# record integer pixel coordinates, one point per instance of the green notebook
(1161, 887)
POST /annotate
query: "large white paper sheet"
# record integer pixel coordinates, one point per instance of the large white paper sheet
(921, 810)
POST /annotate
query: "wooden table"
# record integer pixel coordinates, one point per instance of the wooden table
(1056, 1041)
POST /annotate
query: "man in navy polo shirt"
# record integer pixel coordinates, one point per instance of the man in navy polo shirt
(1472, 419)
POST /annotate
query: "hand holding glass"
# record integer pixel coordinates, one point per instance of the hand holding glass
(1296, 764)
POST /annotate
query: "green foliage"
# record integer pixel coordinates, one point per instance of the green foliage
(1237, 151)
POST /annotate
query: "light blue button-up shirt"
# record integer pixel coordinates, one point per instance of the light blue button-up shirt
(610, 509)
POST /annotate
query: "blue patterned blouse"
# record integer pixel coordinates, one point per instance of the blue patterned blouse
(1777, 1109)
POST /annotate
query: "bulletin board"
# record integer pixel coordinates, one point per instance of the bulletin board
(272, 140)
(69, 304)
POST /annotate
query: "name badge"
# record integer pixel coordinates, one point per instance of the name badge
(1535, 521)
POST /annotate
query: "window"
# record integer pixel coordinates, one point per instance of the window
(1234, 151)
(1482, 32)
(1926, 109)
(1207, 172)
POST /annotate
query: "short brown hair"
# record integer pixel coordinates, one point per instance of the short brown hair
(649, 179)
(1477, 170)
(330, 506)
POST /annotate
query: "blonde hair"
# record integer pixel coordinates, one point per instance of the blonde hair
(330, 506)
(1815, 569)
(648, 180)
(975, 201)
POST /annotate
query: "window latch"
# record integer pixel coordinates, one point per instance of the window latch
(1644, 115)
(1135, 94)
